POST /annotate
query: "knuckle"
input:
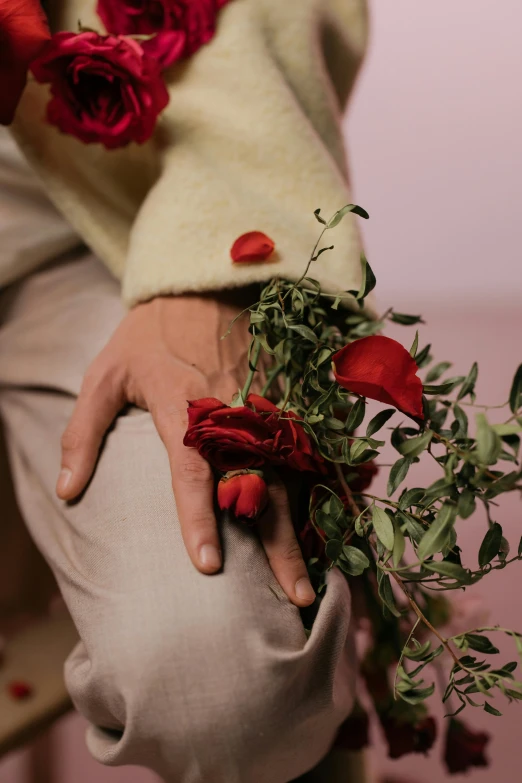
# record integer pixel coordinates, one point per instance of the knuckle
(171, 416)
(288, 553)
(278, 495)
(201, 520)
(195, 472)
(71, 440)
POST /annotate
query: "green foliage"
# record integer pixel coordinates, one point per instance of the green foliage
(404, 550)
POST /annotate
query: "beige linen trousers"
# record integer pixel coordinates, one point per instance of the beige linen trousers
(200, 678)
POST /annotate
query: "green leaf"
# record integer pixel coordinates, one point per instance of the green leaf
(415, 344)
(515, 395)
(468, 386)
(386, 594)
(368, 280)
(398, 473)
(462, 421)
(451, 570)
(436, 371)
(466, 504)
(411, 497)
(419, 651)
(327, 523)
(481, 643)
(491, 710)
(415, 446)
(306, 332)
(399, 545)
(333, 424)
(318, 216)
(353, 561)
(356, 416)
(423, 357)
(334, 549)
(439, 489)
(490, 546)
(435, 538)
(379, 421)
(414, 528)
(489, 444)
(383, 527)
(344, 211)
(506, 429)
(406, 320)
(443, 388)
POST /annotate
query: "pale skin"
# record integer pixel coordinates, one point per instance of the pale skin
(163, 353)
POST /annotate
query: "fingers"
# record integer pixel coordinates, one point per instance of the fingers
(99, 401)
(193, 485)
(282, 547)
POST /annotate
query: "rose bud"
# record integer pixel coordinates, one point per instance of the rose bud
(243, 493)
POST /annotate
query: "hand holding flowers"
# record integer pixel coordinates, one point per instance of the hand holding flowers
(322, 363)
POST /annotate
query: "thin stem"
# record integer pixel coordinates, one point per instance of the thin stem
(354, 508)
(418, 611)
(394, 505)
(310, 260)
(272, 375)
(253, 362)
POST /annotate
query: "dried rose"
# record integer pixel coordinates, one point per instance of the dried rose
(405, 737)
(464, 748)
(382, 369)
(353, 734)
(105, 89)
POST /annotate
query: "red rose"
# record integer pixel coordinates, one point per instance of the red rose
(105, 89)
(365, 474)
(194, 21)
(248, 436)
(464, 748)
(382, 369)
(404, 737)
(244, 494)
(312, 545)
(294, 446)
(23, 33)
(229, 438)
(252, 247)
(353, 734)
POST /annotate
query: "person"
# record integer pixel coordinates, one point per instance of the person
(192, 660)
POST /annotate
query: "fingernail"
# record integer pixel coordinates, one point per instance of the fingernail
(63, 480)
(209, 556)
(304, 590)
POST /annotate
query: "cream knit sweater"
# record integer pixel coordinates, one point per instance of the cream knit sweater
(251, 140)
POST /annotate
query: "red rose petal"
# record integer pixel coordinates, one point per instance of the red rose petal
(20, 690)
(23, 33)
(382, 369)
(252, 247)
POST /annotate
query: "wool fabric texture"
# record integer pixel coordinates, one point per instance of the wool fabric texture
(250, 141)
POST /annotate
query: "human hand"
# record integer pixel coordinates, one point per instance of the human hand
(163, 353)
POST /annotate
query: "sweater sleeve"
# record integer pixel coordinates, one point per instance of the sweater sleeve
(251, 140)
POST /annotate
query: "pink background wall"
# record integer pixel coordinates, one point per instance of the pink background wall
(435, 136)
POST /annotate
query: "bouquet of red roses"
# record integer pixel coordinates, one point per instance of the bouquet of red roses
(320, 363)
